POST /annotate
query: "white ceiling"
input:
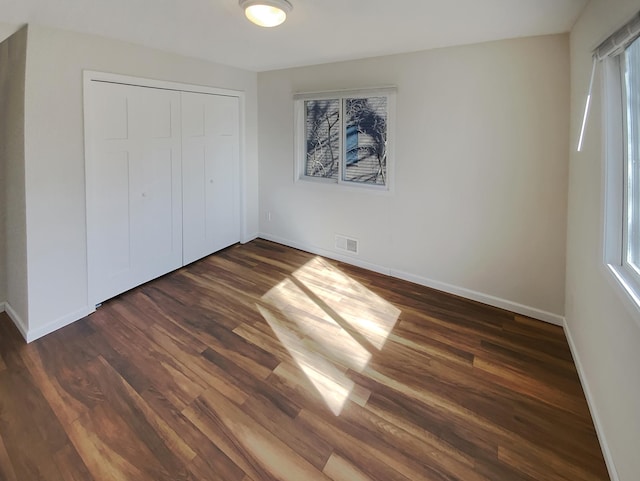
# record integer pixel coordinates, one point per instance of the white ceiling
(317, 31)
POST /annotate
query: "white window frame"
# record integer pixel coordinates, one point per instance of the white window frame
(341, 95)
(616, 162)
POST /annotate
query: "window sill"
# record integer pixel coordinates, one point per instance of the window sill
(346, 186)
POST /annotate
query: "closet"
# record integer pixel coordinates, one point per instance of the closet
(162, 179)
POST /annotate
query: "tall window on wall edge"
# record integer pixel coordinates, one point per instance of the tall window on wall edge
(619, 57)
(346, 137)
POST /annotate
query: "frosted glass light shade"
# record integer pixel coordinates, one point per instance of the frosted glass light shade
(266, 13)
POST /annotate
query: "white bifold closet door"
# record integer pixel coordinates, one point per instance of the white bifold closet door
(210, 173)
(162, 174)
(134, 187)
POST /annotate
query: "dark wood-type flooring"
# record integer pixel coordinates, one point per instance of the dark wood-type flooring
(267, 363)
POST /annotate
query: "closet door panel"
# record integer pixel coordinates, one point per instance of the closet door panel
(134, 202)
(211, 175)
(155, 233)
(222, 222)
(112, 232)
(194, 227)
(155, 122)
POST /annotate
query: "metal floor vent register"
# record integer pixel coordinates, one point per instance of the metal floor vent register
(346, 244)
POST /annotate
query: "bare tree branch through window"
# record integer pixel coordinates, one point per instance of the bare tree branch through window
(346, 138)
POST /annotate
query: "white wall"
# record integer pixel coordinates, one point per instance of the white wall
(4, 97)
(481, 171)
(13, 252)
(604, 334)
(54, 151)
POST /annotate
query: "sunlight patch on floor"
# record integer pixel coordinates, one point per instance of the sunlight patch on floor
(331, 383)
(305, 318)
(365, 311)
(329, 323)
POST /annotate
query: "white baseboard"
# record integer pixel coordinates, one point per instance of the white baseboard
(604, 445)
(528, 311)
(326, 253)
(17, 320)
(524, 310)
(249, 237)
(33, 334)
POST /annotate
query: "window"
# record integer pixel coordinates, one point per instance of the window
(631, 116)
(620, 55)
(345, 137)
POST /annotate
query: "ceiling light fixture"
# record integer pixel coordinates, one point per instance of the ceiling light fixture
(266, 13)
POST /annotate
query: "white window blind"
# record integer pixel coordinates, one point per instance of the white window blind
(345, 137)
(613, 45)
(620, 39)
